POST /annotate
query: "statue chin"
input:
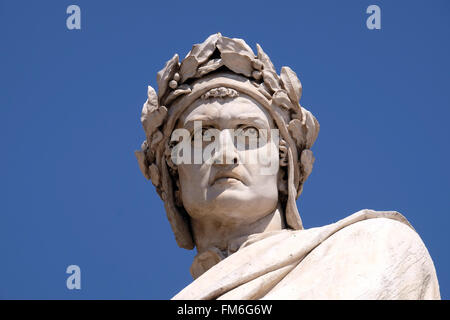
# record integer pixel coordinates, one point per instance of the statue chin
(231, 205)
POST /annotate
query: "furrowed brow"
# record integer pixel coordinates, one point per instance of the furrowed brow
(253, 118)
(205, 119)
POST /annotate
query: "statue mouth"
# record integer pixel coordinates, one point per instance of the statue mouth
(227, 177)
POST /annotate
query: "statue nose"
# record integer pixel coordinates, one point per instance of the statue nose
(226, 153)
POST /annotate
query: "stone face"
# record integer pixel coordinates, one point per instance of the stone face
(223, 106)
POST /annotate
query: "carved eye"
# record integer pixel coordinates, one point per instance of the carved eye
(207, 134)
(250, 132)
(247, 138)
(203, 134)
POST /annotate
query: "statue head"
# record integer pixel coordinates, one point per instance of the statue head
(245, 139)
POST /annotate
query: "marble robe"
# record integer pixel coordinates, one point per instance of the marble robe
(368, 255)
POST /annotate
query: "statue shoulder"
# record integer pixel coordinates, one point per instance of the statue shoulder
(369, 256)
(396, 257)
(383, 231)
(386, 232)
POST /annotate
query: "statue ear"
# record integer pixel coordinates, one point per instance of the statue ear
(282, 179)
(283, 153)
(173, 170)
(282, 182)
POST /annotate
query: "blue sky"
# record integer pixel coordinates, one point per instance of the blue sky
(72, 193)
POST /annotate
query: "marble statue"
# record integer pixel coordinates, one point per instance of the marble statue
(214, 111)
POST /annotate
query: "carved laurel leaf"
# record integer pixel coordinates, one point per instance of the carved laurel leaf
(295, 128)
(236, 55)
(199, 54)
(183, 89)
(166, 74)
(155, 139)
(154, 174)
(264, 58)
(152, 100)
(152, 118)
(188, 68)
(281, 98)
(271, 80)
(264, 90)
(208, 67)
(306, 161)
(257, 64)
(148, 108)
(291, 83)
(225, 44)
(297, 114)
(203, 51)
(311, 128)
(140, 156)
(237, 62)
